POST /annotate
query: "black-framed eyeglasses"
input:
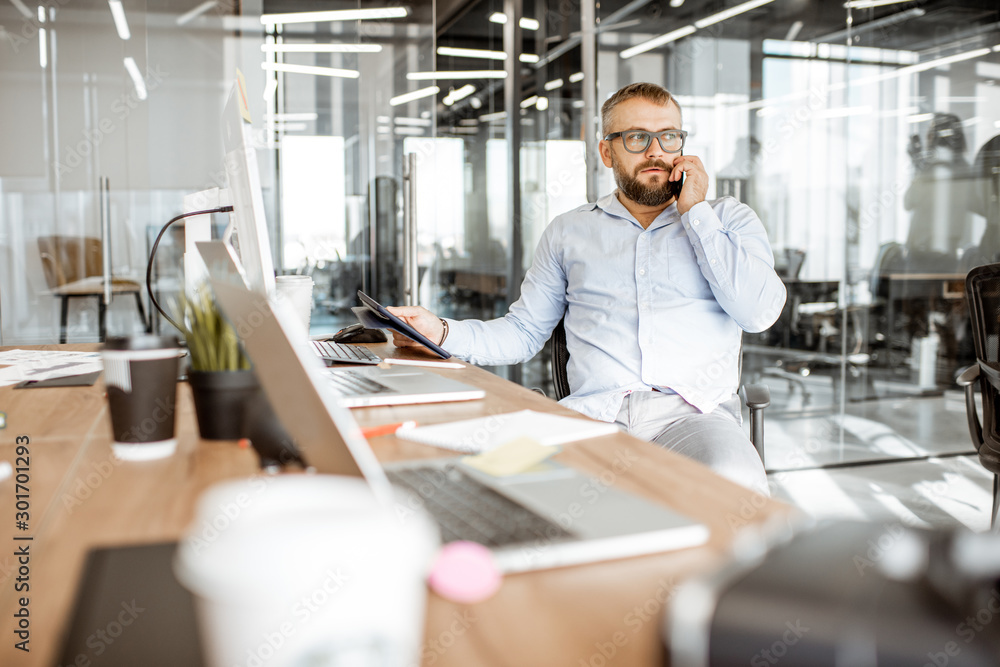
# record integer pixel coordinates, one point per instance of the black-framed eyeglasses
(637, 141)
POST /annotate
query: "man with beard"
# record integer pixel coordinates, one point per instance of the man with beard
(656, 286)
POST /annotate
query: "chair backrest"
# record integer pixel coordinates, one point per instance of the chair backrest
(559, 360)
(66, 259)
(982, 291)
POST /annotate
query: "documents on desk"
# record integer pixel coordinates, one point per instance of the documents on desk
(472, 436)
(38, 365)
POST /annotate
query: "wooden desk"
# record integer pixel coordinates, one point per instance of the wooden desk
(81, 497)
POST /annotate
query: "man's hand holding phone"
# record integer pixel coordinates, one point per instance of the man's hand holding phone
(690, 170)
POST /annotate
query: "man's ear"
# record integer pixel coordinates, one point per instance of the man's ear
(605, 149)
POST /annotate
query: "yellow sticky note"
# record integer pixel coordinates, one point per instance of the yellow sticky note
(511, 458)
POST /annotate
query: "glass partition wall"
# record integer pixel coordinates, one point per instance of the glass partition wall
(417, 151)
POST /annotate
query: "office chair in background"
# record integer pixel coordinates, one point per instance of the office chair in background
(982, 291)
(72, 266)
(756, 396)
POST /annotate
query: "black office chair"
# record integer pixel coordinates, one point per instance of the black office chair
(982, 291)
(756, 396)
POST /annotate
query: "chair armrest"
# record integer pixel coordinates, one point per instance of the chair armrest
(756, 396)
(967, 376)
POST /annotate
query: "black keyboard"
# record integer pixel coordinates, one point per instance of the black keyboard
(467, 510)
(347, 383)
(345, 354)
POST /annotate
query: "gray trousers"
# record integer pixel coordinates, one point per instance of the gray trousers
(715, 438)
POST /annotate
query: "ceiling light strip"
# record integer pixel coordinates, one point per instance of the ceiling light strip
(310, 69)
(471, 53)
(321, 48)
(464, 74)
(191, 15)
(118, 14)
(136, 76)
(415, 95)
(674, 35)
(335, 15)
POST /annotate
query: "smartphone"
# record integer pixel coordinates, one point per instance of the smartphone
(676, 186)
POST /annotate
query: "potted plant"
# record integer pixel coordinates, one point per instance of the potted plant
(220, 376)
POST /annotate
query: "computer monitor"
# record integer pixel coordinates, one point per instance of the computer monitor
(245, 190)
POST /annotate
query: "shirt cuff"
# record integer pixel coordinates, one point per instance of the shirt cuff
(701, 219)
(459, 338)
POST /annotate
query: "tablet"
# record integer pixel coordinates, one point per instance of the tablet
(390, 321)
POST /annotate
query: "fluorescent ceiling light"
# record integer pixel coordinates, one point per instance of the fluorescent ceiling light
(466, 74)
(137, 81)
(307, 116)
(21, 7)
(459, 94)
(671, 36)
(867, 4)
(542, 104)
(321, 48)
(676, 3)
(476, 103)
(526, 23)
(730, 13)
(529, 102)
(919, 118)
(43, 49)
(528, 58)
(471, 53)
(270, 88)
(553, 84)
(41, 14)
(410, 131)
(118, 14)
(335, 15)
(573, 78)
(415, 122)
(490, 117)
(191, 15)
(415, 95)
(793, 31)
(310, 69)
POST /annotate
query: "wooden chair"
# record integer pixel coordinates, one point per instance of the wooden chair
(72, 266)
(756, 396)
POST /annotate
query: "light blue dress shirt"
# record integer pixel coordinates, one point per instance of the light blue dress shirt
(661, 307)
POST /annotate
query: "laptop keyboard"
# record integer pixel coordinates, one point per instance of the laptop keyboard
(352, 384)
(467, 510)
(356, 354)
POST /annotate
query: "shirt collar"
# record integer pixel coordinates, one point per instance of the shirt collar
(611, 205)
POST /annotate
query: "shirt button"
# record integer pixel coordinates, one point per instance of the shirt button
(642, 272)
(695, 223)
(713, 261)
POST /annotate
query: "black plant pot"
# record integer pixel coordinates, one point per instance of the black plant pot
(220, 401)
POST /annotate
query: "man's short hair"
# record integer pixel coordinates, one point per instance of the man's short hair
(647, 91)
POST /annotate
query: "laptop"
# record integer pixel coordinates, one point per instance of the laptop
(223, 264)
(559, 515)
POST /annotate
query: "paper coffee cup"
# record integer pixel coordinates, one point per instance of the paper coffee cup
(140, 375)
(296, 290)
(306, 569)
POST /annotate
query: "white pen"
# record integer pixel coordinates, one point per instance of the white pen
(419, 362)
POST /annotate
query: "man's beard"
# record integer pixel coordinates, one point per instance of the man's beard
(643, 195)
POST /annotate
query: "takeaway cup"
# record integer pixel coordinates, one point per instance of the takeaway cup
(140, 375)
(302, 569)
